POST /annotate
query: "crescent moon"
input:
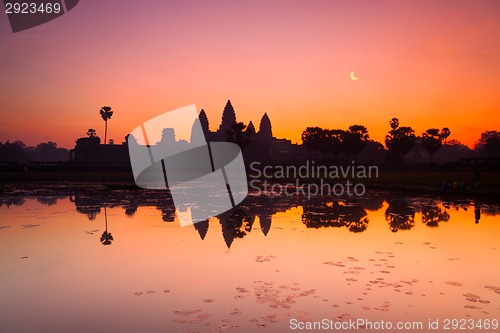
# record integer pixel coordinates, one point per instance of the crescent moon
(352, 76)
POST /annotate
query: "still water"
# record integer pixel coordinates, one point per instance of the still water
(101, 260)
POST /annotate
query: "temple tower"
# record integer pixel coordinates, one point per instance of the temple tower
(265, 129)
(228, 119)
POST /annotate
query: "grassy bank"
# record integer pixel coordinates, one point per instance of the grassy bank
(489, 180)
(428, 181)
(67, 176)
(414, 180)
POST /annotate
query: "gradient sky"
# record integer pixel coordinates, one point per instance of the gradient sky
(429, 63)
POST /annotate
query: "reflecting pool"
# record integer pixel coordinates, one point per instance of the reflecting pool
(108, 260)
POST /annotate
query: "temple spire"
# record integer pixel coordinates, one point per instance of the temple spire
(265, 129)
(250, 128)
(228, 118)
(203, 121)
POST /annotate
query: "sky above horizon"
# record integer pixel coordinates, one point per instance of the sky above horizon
(432, 64)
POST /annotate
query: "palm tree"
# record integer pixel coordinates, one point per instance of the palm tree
(91, 133)
(394, 123)
(356, 139)
(445, 133)
(488, 144)
(106, 114)
(313, 139)
(335, 141)
(432, 141)
(400, 140)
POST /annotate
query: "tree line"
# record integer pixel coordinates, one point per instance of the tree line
(399, 141)
(17, 151)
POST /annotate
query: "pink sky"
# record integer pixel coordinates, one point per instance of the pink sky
(428, 63)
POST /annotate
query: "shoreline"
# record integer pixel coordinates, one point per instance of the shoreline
(414, 182)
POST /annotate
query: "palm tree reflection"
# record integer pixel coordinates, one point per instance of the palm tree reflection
(106, 238)
(477, 211)
(320, 212)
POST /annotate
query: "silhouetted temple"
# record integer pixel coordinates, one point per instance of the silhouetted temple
(90, 150)
(262, 145)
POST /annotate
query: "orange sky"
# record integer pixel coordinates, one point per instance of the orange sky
(429, 63)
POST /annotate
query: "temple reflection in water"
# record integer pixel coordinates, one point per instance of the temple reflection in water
(318, 212)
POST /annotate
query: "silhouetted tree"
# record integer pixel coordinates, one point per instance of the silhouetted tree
(334, 142)
(394, 123)
(432, 141)
(400, 140)
(356, 138)
(488, 144)
(313, 139)
(106, 114)
(453, 151)
(406, 137)
(47, 152)
(445, 133)
(373, 153)
(400, 215)
(91, 133)
(14, 152)
(334, 214)
(239, 135)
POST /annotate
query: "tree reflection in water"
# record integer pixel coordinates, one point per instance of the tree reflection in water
(238, 223)
(335, 214)
(400, 214)
(432, 215)
(13, 201)
(477, 212)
